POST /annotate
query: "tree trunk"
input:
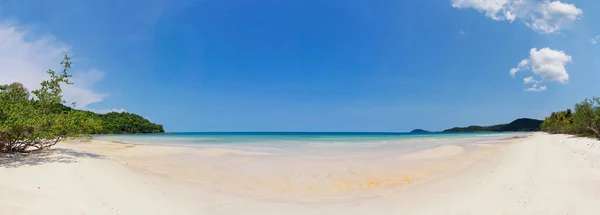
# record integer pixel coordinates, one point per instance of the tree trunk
(595, 131)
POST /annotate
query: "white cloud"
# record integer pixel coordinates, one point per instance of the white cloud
(546, 63)
(529, 80)
(536, 88)
(553, 16)
(461, 33)
(510, 16)
(550, 64)
(524, 64)
(494, 9)
(567, 11)
(542, 16)
(104, 111)
(513, 71)
(595, 40)
(25, 58)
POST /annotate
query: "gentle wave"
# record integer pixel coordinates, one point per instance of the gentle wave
(311, 143)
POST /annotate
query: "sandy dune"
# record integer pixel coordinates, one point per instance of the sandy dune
(542, 174)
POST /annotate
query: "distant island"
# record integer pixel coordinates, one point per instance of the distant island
(419, 131)
(523, 124)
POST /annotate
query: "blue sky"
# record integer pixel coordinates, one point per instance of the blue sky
(303, 65)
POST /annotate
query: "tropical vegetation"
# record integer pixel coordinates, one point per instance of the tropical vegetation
(584, 120)
(37, 120)
(122, 123)
(523, 124)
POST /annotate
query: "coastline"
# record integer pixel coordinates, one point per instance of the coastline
(548, 174)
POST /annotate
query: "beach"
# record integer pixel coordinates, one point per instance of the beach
(533, 173)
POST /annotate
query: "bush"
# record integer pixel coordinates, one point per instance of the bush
(587, 116)
(584, 121)
(35, 122)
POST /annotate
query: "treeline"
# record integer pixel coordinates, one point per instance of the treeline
(476, 128)
(584, 120)
(120, 123)
(523, 124)
(38, 120)
(126, 123)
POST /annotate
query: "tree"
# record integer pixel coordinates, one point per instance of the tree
(559, 122)
(35, 122)
(587, 116)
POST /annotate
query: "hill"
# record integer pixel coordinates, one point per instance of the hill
(523, 124)
(119, 123)
(419, 131)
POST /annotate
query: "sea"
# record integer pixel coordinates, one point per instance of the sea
(311, 142)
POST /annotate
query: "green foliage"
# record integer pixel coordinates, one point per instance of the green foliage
(587, 116)
(34, 122)
(40, 119)
(127, 123)
(120, 123)
(559, 122)
(523, 124)
(584, 121)
(476, 128)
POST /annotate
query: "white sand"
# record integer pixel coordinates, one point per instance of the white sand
(543, 174)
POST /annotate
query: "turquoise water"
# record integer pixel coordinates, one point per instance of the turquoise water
(298, 141)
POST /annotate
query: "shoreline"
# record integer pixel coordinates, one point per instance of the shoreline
(515, 176)
(344, 177)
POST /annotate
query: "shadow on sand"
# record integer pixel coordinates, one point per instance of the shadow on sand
(58, 155)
